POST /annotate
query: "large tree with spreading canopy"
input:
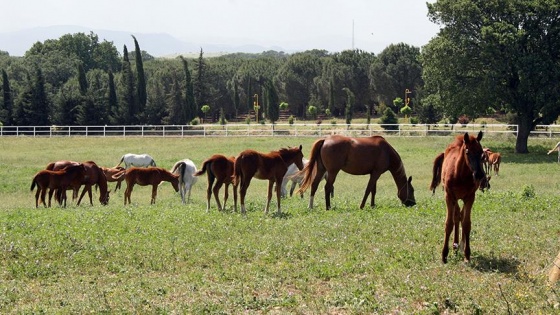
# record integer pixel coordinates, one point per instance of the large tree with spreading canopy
(496, 55)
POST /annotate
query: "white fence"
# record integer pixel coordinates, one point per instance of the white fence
(269, 130)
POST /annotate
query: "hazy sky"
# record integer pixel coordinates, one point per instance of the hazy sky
(333, 25)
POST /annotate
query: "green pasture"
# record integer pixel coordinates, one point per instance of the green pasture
(171, 258)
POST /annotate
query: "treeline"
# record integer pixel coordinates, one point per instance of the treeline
(78, 80)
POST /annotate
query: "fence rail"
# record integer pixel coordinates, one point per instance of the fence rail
(270, 130)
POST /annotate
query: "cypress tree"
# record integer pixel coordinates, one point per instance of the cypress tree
(273, 109)
(82, 79)
(140, 78)
(190, 104)
(7, 108)
(113, 102)
(39, 109)
(128, 109)
(349, 110)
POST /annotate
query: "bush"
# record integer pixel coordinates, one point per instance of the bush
(195, 121)
(291, 119)
(389, 120)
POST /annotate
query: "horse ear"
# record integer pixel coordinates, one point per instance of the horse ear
(466, 137)
(300, 147)
(479, 137)
(410, 179)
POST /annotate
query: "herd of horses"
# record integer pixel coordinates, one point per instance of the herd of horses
(461, 169)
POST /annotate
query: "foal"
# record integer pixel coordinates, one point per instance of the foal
(220, 169)
(57, 180)
(147, 176)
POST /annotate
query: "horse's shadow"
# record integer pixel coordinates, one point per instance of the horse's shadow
(495, 264)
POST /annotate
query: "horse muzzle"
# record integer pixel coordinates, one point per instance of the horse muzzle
(409, 202)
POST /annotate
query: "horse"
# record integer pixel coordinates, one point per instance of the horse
(146, 176)
(56, 180)
(268, 166)
(110, 171)
(296, 178)
(491, 161)
(94, 176)
(186, 170)
(459, 169)
(220, 169)
(138, 160)
(356, 156)
(556, 148)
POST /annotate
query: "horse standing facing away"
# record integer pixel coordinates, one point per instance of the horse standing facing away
(269, 166)
(371, 156)
(147, 176)
(491, 161)
(186, 170)
(459, 169)
(110, 171)
(94, 176)
(137, 160)
(220, 169)
(56, 180)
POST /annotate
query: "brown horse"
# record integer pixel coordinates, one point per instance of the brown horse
(110, 171)
(491, 161)
(94, 176)
(220, 169)
(57, 180)
(371, 156)
(147, 176)
(269, 166)
(460, 171)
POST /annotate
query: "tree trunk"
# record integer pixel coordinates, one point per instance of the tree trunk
(523, 130)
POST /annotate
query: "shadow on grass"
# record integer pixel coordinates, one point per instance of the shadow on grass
(495, 264)
(282, 215)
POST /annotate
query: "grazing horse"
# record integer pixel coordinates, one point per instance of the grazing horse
(220, 169)
(147, 176)
(110, 171)
(371, 156)
(94, 176)
(269, 166)
(296, 178)
(56, 180)
(491, 161)
(459, 169)
(137, 160)
(186, 170)
(556, 148)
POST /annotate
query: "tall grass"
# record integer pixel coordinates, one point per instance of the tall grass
(174, 258)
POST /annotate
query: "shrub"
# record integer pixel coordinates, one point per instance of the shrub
(195, 121)
(291, 119)
(389, 120)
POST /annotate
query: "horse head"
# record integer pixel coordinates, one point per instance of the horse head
(293, 155)
(406, 193)
(175, 181)
(104, 200)
(474, 155)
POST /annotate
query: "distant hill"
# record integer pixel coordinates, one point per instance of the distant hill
(156, 44)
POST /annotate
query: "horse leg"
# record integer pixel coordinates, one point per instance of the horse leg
(51, 191)
(371, 188)
(466, 228)
(243, 192)
(234, 198)
(329, 186)
(315, 184)
(451, 204)
(457, 215)
(127, 193)
(278, 196)
(86, 186)
(154, 194)
(216, 191)
(269, 195)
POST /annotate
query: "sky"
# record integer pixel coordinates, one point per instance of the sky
(333, 25)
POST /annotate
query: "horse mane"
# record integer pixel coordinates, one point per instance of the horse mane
(436, 171)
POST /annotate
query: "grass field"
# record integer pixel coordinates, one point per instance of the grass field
(171, 258)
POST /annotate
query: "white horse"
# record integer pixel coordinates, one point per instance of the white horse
(293, 175)
(556, 148)
(137, 160)
(185, 169)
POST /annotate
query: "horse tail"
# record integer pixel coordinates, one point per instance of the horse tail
(182, 170)
(122, 160)
(204, 167)
(307, 171)
(153, 163)
(436, 179)
(237, 170)
(33, 183)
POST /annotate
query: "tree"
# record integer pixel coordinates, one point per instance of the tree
(140, 77)
(205, 109)
(113, 110)
(273, 109)
(200, 84)
(498, 54)
(190, 106)
(127, 106)
(349, 111)
(6, 111)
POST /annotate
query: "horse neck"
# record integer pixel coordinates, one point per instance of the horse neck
(397, 170)
(102, 182)
(167, 176)
(288, 156)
